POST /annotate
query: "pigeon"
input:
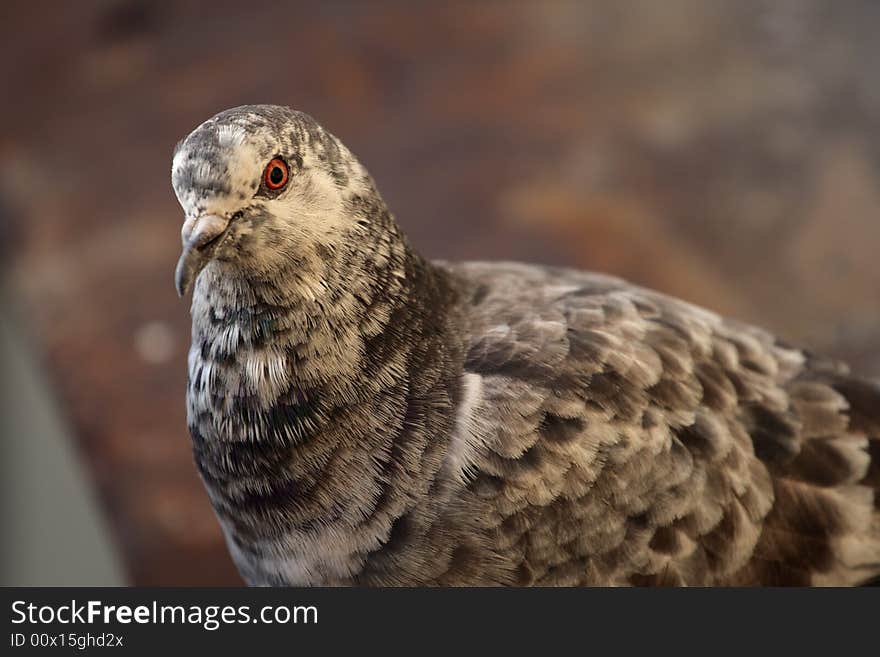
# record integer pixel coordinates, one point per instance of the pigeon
(361, 415)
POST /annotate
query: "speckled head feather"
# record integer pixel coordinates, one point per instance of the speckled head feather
(217, 173)
(362, 416)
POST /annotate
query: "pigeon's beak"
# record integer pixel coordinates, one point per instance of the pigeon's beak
(199, 235)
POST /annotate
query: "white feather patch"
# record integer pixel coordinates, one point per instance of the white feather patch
(466, 437)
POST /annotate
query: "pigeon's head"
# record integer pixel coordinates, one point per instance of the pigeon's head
(261, 185)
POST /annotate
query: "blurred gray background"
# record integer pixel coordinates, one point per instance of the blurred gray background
(724, 152)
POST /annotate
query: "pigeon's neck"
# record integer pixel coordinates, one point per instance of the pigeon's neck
(326, 415)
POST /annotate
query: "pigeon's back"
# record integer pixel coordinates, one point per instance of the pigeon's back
(617, 436)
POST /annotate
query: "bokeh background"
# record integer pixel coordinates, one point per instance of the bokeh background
(724, 152)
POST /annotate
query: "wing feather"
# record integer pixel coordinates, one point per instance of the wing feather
(636, 439)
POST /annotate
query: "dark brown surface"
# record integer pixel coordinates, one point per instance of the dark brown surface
(725, 152)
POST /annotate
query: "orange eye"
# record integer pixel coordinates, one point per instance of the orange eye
(276, 174)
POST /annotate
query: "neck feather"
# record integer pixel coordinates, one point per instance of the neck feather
(322, 402)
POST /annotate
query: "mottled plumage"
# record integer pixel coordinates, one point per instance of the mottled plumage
(362, 416)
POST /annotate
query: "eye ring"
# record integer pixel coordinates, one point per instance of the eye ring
(276, 174)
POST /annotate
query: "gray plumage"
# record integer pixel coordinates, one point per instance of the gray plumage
(360, 415)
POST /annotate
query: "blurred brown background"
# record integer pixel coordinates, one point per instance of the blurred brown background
(724, 152)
